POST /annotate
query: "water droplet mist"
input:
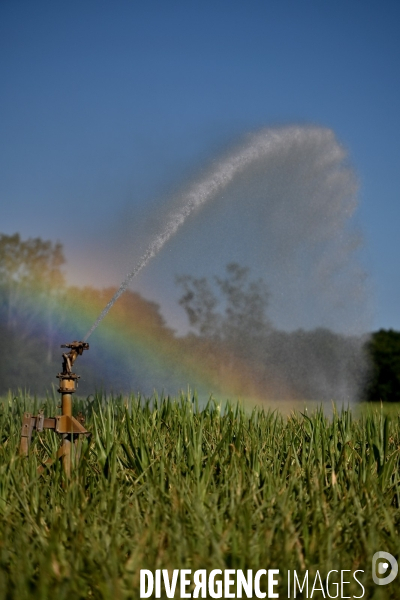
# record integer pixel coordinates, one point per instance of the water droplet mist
(299, 196)
(282, 202)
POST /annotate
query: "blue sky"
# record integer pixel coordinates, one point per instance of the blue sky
(107, 107)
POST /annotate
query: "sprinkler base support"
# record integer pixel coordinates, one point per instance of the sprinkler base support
(62, 424)
(65, 424)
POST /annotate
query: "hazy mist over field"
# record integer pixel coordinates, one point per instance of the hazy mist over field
(282, 202)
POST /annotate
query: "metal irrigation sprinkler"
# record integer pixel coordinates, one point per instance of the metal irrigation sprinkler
(65, 424)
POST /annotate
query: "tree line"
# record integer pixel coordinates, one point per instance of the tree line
(232, 344)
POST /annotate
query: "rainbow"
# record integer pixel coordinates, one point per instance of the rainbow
(134, 337)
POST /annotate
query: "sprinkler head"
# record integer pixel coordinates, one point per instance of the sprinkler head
(76, 349)
(78, 346)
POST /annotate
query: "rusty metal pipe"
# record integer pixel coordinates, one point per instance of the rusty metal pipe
(66, 410)
(67, 388)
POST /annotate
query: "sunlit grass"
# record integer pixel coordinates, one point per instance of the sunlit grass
(164, 484)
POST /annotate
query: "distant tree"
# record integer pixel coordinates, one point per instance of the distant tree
(235, 339)
(383, 350)
(232, 310)
(229, 317)
(31, 281)
(318, 364)
(200, 302)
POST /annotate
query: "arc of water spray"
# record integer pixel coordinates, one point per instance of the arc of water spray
(198, 194)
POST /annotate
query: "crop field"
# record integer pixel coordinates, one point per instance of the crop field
(164, 484)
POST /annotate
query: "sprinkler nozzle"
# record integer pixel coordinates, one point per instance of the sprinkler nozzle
(76, 349)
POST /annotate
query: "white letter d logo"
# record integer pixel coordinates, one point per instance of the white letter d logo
(384, 559)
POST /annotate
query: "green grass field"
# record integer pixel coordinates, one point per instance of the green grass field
(165, 485)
